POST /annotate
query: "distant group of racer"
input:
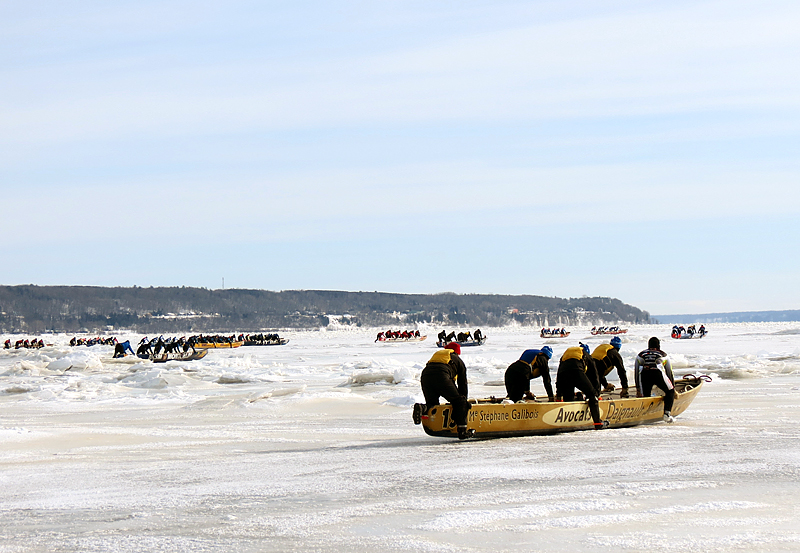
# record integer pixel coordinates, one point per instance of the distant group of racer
(397, 335)
(596, 330)
(27, 343)
(218, 339)
(554, 333)
(461, 337)
(148, 347)
(445, 375)
(679, 331)
(97, 341)
(156, 346)
(261, 339)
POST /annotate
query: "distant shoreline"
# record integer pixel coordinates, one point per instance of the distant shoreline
(29, 308)
(788, 315)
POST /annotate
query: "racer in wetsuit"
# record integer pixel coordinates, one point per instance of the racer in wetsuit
(531, 364)
(653, 368)
(123, 348)
(606, 357)
(445, 375)
(577, 370)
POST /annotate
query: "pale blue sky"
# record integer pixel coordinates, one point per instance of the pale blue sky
(642, 150)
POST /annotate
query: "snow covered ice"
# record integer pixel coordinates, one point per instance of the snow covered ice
(310, 446)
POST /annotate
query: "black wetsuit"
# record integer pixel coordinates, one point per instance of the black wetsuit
(579, 372)
(606, 357)
(439, 378)
(519, 374)
(653, 368)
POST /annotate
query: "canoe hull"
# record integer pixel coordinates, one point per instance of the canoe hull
(466, 344)
(187, 356)
(214, 345)
(496, 420)
(281, 342)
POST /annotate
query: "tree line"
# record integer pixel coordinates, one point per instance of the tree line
(30, 308)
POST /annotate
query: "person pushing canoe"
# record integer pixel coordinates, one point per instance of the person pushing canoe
(653, 368)
(445, 375)
(531, 364)
(577, 370)
(606, 357)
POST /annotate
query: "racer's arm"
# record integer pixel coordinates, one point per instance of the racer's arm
(544, 370)
(461, 371)
(637, 369)
(668, 370)
(616, 359)
(591, 372)
(600, 367)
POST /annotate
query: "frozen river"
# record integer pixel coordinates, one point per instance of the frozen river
(310, 447)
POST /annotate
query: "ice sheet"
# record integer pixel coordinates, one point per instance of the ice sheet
(310, 446)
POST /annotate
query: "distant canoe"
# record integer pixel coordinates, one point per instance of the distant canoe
(281, 342)
(213, 345)
(175, 356)
(601, 332)
(687, 336)
(489, 419)
(465, 344)
(411, 339)
(543, 335)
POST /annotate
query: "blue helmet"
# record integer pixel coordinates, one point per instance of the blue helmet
(548, 351)
(586, 349)
(616, 342)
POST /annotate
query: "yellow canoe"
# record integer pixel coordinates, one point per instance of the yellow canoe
(489, 419)
(212, 345)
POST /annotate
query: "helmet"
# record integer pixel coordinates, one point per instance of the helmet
(586, 349)
(455, 347)
(654, 343)
(548, 351)
(616, 342)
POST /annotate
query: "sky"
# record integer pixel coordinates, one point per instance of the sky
(646, 151)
